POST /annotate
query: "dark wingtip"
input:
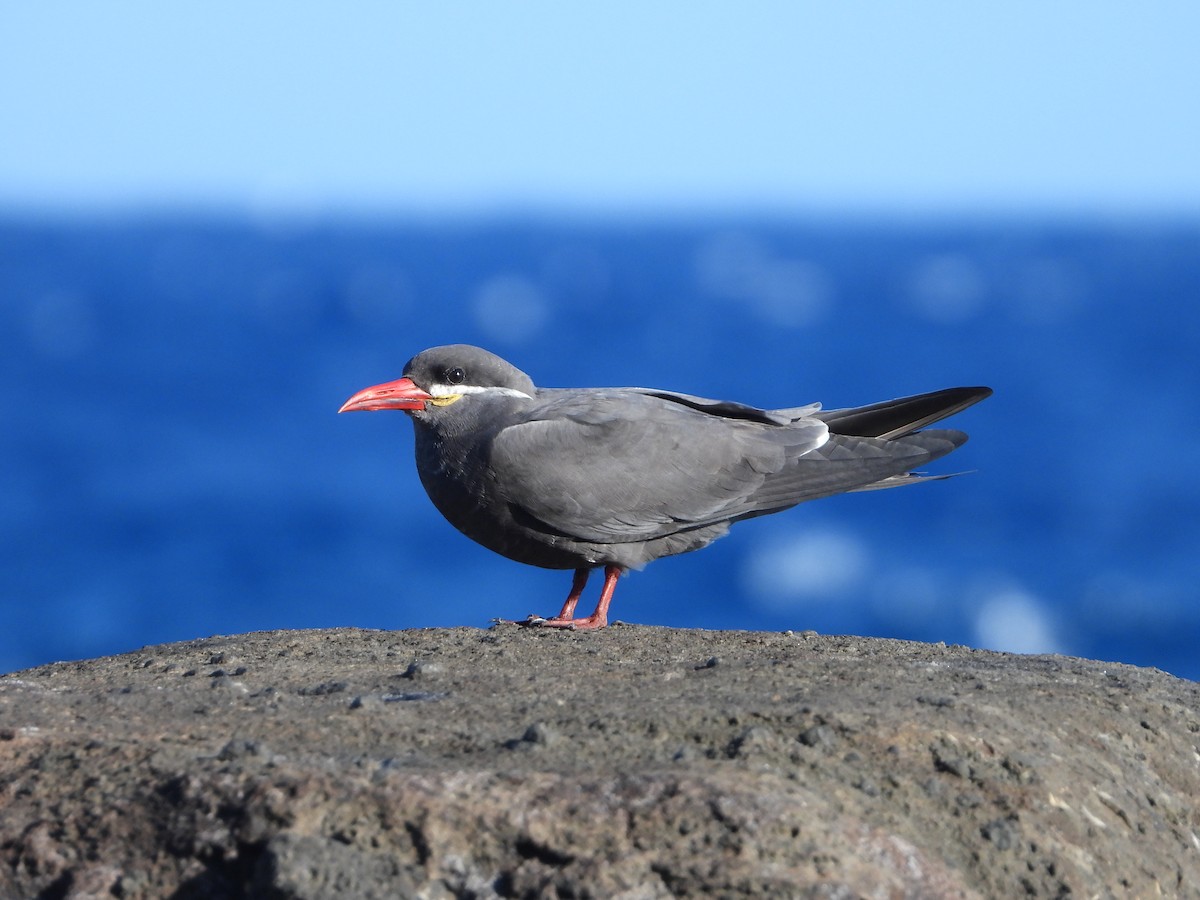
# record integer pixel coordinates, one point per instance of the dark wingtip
(962, 397)
(897, 418)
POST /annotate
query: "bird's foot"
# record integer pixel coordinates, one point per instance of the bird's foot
(588, 623)
(532, 620)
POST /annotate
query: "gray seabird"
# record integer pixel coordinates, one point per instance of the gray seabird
(617, 477)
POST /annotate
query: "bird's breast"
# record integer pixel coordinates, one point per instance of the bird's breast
(459, 482)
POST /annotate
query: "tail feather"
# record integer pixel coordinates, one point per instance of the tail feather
(898, 418)
(869, 448)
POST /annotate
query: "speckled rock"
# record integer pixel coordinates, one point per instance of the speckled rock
(634, 762)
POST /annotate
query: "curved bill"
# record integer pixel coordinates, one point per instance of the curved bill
(399, 394)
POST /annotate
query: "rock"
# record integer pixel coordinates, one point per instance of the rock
(788, 765)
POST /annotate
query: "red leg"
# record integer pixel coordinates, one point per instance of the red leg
(578, 583)
(599, 618)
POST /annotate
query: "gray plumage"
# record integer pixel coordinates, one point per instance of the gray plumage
(618, 477)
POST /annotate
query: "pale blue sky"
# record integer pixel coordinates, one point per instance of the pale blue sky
(610, 107)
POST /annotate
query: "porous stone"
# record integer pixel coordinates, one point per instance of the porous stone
(609, 764)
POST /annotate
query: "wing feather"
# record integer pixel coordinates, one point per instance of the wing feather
(624, 466)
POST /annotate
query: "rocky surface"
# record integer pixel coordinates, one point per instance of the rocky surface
(635, 762)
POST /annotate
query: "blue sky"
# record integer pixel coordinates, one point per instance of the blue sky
(383, 107)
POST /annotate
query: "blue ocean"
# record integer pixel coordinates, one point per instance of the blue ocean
(172, 465)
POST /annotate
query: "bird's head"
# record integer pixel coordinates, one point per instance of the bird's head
(442, 376)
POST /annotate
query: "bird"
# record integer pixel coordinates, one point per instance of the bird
(615, 478)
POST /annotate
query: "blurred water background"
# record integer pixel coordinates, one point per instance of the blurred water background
(218, 221)
(173, 465)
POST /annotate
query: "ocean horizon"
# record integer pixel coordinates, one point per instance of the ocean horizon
(173, 465)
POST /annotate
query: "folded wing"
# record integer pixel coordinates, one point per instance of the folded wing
(614, 466)
(619, 466)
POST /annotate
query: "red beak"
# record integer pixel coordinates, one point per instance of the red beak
(399, 394)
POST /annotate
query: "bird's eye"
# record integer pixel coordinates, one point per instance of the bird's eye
(455, 375)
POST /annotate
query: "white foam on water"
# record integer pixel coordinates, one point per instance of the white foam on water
(805, 567)
(510, 309)
(1012, 619)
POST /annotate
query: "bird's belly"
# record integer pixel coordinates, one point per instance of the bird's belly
(477, 512)
(463, 493)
